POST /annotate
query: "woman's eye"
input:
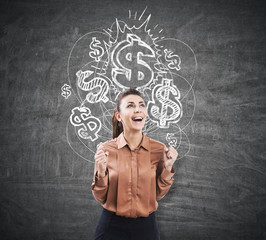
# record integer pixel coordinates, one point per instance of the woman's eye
(142, 105)
(130, 105)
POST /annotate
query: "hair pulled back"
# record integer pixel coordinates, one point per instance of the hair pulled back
(117, 126)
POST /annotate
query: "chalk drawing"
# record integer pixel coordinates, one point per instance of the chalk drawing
(164, 109)
(171, 140)
(174, 61)
(97, 87)
(129, 66)
(96, 50)
(130, 54)
(66, 92)
(88, 125)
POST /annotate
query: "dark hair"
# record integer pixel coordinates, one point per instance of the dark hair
(117, 126)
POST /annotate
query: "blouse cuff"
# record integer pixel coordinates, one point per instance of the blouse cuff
(166, 174)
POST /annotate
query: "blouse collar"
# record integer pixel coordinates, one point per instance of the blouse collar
(121, 141)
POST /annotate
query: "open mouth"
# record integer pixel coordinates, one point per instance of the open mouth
(137, 119)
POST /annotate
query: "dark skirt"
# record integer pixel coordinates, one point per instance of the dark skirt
(114, 227)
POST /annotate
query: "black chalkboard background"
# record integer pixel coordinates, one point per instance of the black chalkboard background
(220, 185)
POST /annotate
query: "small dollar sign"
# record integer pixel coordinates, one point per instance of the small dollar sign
(174, 61)
(65, 91)
(89, 125)
(97, 51)
(162, 109)
(171, 139)
(130, 68)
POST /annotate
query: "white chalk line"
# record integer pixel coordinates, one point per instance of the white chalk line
(108, 34)
(142, 13)
(73, 147)
(69, 56)
(196, 63)
(135, 15)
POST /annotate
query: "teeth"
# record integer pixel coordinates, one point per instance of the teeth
(137, 118)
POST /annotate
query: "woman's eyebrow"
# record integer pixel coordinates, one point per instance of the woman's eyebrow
(134, 103)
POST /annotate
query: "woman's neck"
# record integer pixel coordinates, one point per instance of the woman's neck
(133, 139)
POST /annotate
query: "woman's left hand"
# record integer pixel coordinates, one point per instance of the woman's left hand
(170, 157)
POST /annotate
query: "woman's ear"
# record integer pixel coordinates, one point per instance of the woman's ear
(118, 117)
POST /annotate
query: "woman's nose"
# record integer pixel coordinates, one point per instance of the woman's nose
(137, 109)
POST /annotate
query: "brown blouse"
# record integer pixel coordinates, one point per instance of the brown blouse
(134, 179)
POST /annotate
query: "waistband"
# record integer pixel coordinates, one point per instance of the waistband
(122, 217)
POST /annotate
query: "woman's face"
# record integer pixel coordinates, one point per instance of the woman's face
(133, 113)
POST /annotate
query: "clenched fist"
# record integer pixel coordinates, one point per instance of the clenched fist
(170, 156)
(101, 160)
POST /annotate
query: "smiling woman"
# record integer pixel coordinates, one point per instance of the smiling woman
(132, 172)
(128, 102)
(132, 114)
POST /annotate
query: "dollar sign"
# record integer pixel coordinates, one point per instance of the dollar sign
(89, 125)
(97, 51)
(98, 91)
(130, 69)
(163, 110)
(171, 139)
(174, 61)
(65, 91)
(97, 87)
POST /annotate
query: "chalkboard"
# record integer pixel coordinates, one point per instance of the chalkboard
(201, 68)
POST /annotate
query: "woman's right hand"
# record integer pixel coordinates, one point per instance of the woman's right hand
(101, 160)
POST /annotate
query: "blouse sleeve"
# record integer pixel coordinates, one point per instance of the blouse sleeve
(100, 185)
(164, 179)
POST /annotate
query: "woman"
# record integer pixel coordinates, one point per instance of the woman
(131, 172)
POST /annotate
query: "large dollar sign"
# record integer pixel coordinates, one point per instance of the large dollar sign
(89, 125)
(130, 68)
(97, 51)
(162, 109)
